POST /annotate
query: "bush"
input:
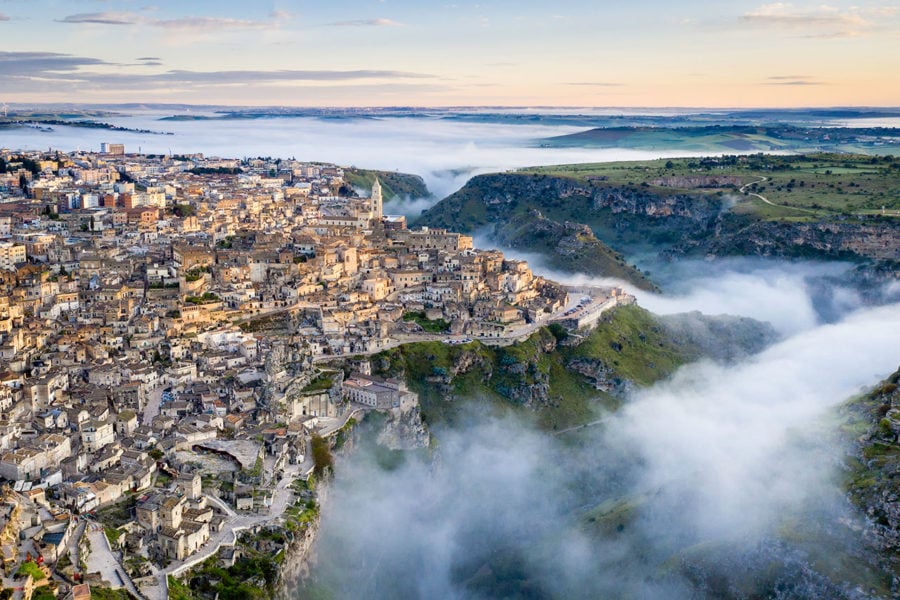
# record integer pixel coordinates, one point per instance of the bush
(322, 458)
(558, 331)
(112, 534)
(31, 568)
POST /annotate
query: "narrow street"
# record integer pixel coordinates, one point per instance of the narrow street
(231, 528)
(154, 397)
(101, 559)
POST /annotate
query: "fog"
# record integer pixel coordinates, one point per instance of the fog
(792, 296)
(445, 153)
(693, 481)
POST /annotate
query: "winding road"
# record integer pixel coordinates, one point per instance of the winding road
(233, 525)
(762, 179)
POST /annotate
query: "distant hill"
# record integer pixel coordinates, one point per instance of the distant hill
(393, 184)
(736, 138)
(824, 206)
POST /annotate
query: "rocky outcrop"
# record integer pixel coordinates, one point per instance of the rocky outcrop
(568, 246)
(404, 430)
(843, 238)
(640, 201)
(697, 181)
(598, 373)
(487, 197)
(721, 337)
(874, 466)
(299, 558)
(678, 219)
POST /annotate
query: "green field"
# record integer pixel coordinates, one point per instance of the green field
(807, 187)
(713, 139)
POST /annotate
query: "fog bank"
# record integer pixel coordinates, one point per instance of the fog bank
(697, 474)
(446, 153)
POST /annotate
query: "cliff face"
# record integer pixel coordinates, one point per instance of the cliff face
(568, 246)
(841, 239)
(688, 219)
(299, 558)
(487, 197)
(562, 379)
(404, 430)
(393, 184)
(873, 465)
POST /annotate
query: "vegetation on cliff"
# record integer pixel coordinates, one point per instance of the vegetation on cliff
(567, 246)
(563, 378)
(392, 183)
(729, 138)
(813, 206)
(871, 423)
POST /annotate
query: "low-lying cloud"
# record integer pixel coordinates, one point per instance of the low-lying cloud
(702, 469)
(186, 23)
(445, 152)
(791, 296)
(367, 23)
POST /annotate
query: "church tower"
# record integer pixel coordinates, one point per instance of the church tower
(376, 201)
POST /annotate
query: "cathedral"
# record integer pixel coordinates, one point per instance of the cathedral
(375, 208)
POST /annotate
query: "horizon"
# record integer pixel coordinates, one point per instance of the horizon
(365, 53)
(413, 107)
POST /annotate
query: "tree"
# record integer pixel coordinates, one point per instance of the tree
(322, 459)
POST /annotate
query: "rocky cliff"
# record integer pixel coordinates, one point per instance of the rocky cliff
(393, 184)
(640, 218)
(299, 557)
(559, 378)
(873, 423)
(404, 430)
(567, 246)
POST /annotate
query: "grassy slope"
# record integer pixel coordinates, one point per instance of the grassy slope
(630, 342)
(826, 184)
(742, 138)
(513, 224)
(392, 183)
(866, 423)
(568, 249)
(635, 345)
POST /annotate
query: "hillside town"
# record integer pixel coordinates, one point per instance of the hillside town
(164, 327)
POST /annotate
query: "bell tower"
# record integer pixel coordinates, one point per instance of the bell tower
(376, 208)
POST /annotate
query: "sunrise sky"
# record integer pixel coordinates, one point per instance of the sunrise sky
(416, 52)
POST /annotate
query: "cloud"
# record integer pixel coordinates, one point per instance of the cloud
(4, 17)
(823, 21)
(793, 80)
(367, 23)
(43, 64)
(30, 70)
(688, 488)
(184, 23)
(103, 18)
(733, 440)
(210, 23)
(796, 82)
(594, 84)
(220, 78)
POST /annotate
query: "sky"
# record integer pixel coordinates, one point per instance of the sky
(647, 53)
